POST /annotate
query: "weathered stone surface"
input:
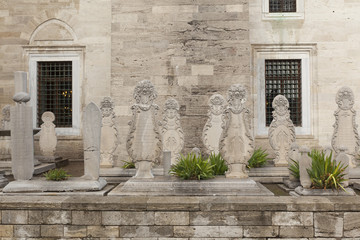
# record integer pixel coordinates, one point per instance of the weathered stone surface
(14, 217)
(343, 159)
(50, 217)
(296, 231)
(261, 231)
(328, 224)
(208, 231)
(237, 143)
(109, 134)
(26, 231)
(74, 231)
(145, 231)
(324, 192)
(103, 231)
(166, 162)
(52, 230)
(5, 118)
(292, 218)
(281, 131)
(22, 142)
(48, 139)
(6, 230)
(144, 141)
(345, 127)
(92, 136)
(304, 164)
(128, 218)
(213, 127)
(172, 133)
(86, 217)
(172, 218)
(352, 224)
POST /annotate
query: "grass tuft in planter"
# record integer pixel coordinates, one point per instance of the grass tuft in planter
(192, 167)
(57, 174)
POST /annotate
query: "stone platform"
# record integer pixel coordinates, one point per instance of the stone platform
(42, 185)
(321, 192)
(172, 186)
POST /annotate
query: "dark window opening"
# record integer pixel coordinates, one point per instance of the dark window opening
(282, 6)
(54, 91)
(283, 77)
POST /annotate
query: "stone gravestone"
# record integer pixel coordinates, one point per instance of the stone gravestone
(48, 139)
(345, 128)
(294, 155)
(144, 140)
(109, 134)
(213, 127)
(173, 135)
(22, 140)
(344, 159)
(281, 131)
(92, 134)
(237, 143)
(304, 164)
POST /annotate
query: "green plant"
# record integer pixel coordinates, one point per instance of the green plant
(258, 159)
(324, 172)
(294, 169)
(219, 164)
(57, 174)
(192, 167)
(128, 164)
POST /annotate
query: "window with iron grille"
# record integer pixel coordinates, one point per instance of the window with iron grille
(54, 91)
(282, 6)
(283, 77)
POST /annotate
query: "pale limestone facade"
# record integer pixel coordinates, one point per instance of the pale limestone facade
(189, 49)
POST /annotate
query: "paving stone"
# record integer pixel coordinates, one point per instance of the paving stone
(293, 218)
(50, 217)
(208, 231)
(128, 218)
(146, 231)
(172, 218)
(6, 230)
(86, 217)
(328, 224)
(14, 217)
(352, 224)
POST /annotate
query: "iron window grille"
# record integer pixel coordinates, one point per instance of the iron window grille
(283, 77)
(54, 91)
(276, 6)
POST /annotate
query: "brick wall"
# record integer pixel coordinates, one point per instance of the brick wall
(182, 218)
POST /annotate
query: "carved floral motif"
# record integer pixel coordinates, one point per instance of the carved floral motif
(173, 135)
(281, 131)
(237, 143)
(213, 127)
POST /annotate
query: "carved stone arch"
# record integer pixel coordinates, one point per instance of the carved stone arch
(52, 31)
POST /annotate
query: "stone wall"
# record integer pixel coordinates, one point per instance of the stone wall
(188, 49)
(181, 218)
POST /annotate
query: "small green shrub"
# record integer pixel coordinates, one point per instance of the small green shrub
(294, 169)
(324, 172)
(193, 168)
(258, 159)
(57, 174)
(219, 164)
(128, 164)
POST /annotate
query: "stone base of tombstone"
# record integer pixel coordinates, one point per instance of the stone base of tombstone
(59, 161)
(42, 185)
(173, 186)
(118, 174)
(143, 169)
(291, 184)
(3, 180)
(321, 192)
(237, 171)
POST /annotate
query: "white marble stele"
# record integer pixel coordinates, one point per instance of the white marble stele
(304, 164)
(48, 139)
(90, 181)
(109, 134)
(172, 133)
(345, 128)
(237, 142)
(144, 139)
(281, 131)
(213, 127)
